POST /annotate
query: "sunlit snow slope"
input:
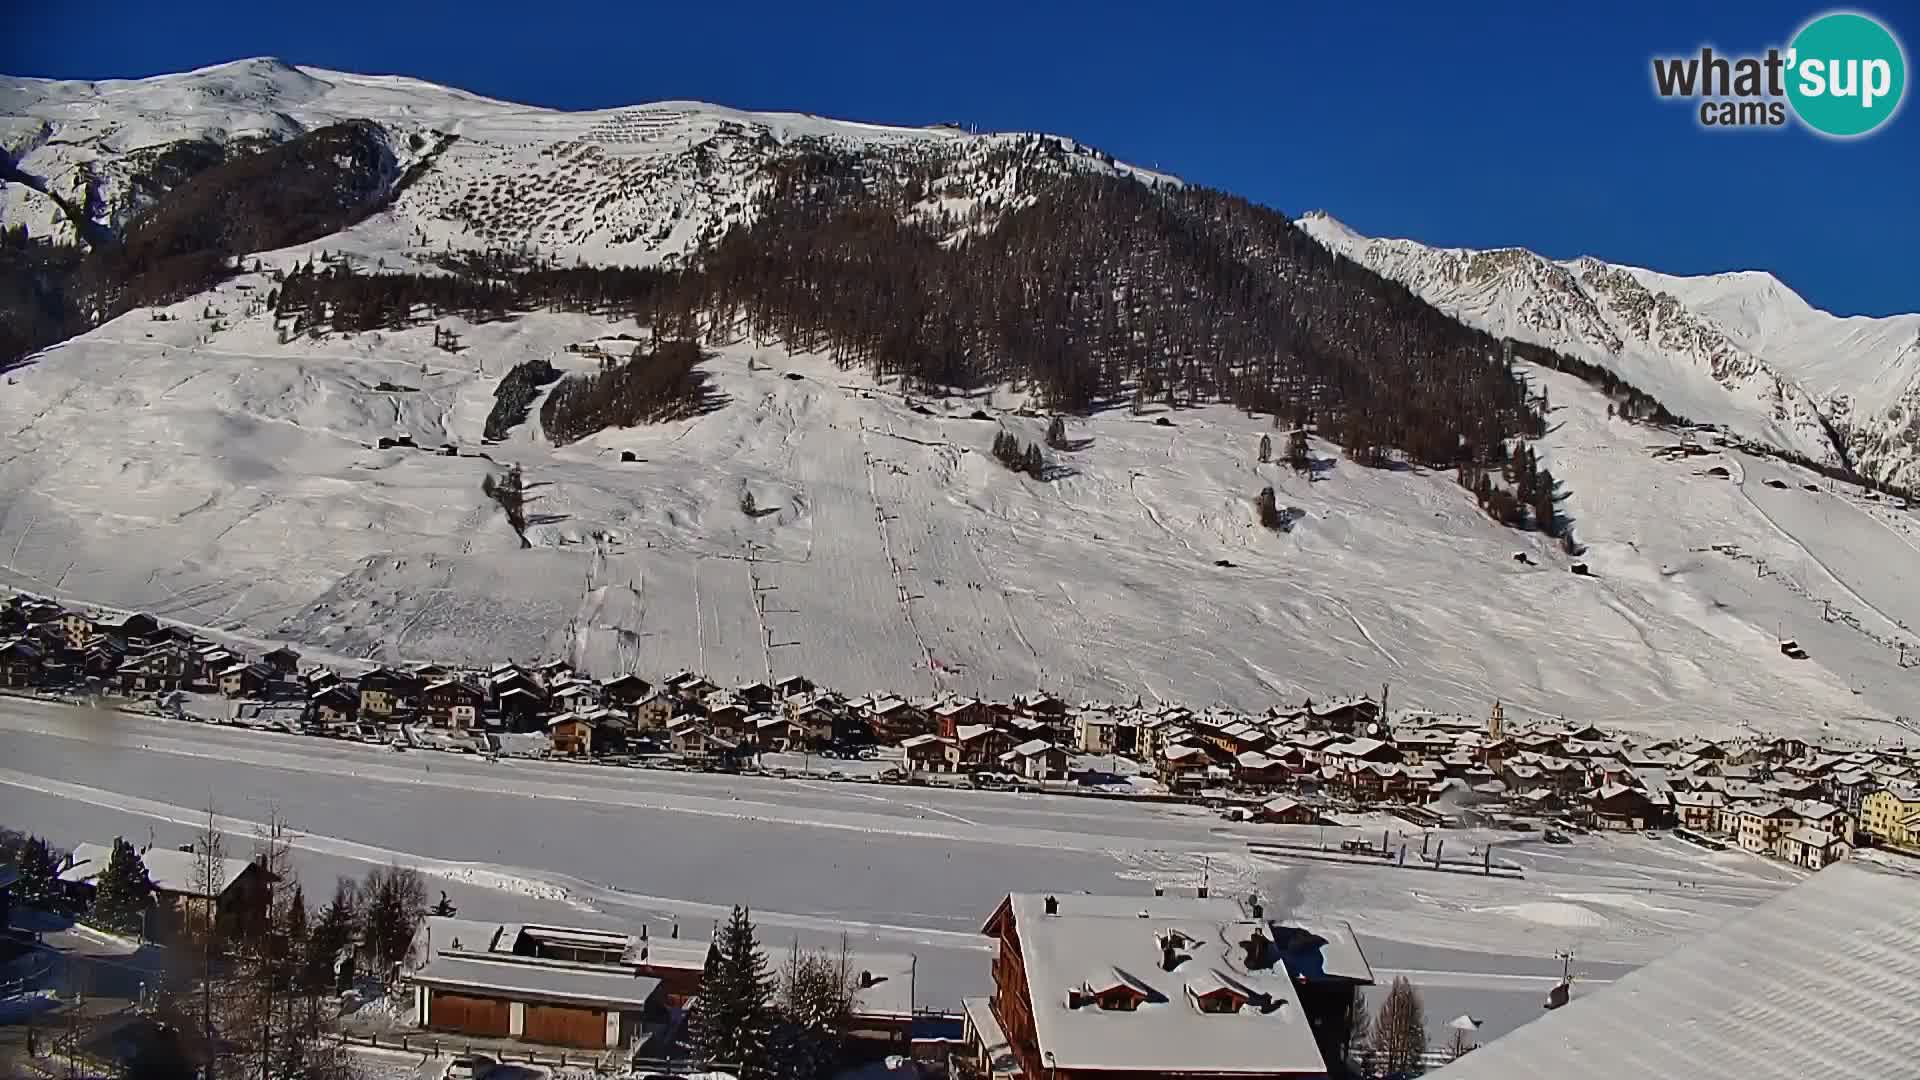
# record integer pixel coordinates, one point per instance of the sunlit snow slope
(1740, 349)
(221, 478)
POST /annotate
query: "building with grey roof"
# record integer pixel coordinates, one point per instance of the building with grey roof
(1822, 981)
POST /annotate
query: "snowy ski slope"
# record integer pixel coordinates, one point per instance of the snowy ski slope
(1739, 349)
(223, 479)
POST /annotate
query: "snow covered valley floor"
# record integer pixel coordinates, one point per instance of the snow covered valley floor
(201, 470)
(896, 869)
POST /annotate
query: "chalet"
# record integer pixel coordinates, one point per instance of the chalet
(724, 711)
(520, 708)
(571, 735)
(385, 693)
(1203, 989)
(334, 706)
(1041, 706)
(951, 715)
(1362, 750)
(688, 737)
(584, 1005)
(1183, 767)
(929, 753)
(282, 661)
(1253, 769)
(103, 658)
(1811, 847)
(1698, 810)
(1344, 715)
(981, 746)
(20, 661)
(132, 629)
(243, 680)
(572, 694)
(1096, 732)
(155, 671)
(77, 628)
(815, 725)
(651, 712)
(554, 672)
(1418, 746)
(206, 663)
(1824, 816)
(241, 889)
(1035, 759)
(1760, 825)
(1891, 815)
(1848, 788)
(1285, 811)
(1617, 806)
(626, 691)
(452, 703)
(771, 733)
(894, 720)
(792, 686)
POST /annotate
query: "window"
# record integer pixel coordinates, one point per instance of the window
(1218, 1003)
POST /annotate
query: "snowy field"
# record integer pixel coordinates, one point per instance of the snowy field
(896, 869)
(228, 481)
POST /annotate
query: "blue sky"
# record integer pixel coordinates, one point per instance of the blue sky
(1477, 124)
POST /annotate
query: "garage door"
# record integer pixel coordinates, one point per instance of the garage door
(469, 1015)
(566, 1025)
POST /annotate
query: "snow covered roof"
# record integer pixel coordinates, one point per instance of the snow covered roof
(168, 869)
(1823, 980)
(1810, 836)
(522, 978)
(1167, 1033)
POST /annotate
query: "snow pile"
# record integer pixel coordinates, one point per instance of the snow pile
(1551, 913)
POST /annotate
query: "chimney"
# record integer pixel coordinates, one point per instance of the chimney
(1159, 890)
(1259, 911)
(1169, 956)
(643, 931)
(1256, 949)
(1053, 905)
(1201, 892)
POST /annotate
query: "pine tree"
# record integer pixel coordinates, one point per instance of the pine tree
(122, 893)
(1266, 449)
(332, 932)
(1033, 463)
(38, 886)
(731, 1023)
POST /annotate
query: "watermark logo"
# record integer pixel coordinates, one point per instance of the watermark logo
(1843, 75)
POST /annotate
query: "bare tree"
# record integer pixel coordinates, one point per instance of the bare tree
(1359, 1026)
(1460, 1045)
(1400, 1030)
(209, 873)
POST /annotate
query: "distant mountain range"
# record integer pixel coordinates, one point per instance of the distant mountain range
(1740, 350)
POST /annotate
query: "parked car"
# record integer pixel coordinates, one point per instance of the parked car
(1555, 836)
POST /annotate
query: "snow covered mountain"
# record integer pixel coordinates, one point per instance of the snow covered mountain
(202, 460)
(1740, 350)
(634, 185)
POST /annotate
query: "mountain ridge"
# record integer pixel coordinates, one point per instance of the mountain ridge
(1739, 349)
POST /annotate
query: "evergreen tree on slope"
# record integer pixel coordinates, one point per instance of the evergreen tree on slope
(732, 1020)
(122, 893)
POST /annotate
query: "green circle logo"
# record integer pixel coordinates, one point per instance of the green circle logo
(1846, 74)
